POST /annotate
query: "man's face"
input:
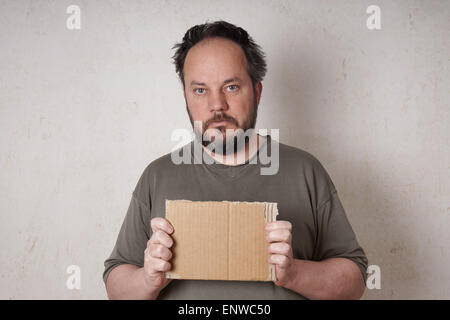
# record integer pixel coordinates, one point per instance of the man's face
(218, 89)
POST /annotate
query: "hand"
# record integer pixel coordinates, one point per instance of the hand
(158, 253)
(280, 251)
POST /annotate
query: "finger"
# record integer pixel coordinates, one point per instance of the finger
(161, 252)
(281, 224)
(160, 237)
(277, 235)
(158, 265)
(280, 260)
(280, 248)
(161, 224)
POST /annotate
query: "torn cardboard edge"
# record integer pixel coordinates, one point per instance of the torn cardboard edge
(270, 214)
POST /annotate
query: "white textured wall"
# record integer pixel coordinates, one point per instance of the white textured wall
(83, 112)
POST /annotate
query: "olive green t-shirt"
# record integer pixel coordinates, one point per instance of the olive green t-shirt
(305, 194)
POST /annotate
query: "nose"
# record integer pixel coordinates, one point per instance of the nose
(217, 102)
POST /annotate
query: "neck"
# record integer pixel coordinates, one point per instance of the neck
(241, 156)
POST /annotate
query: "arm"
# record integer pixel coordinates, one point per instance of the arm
(335, 278)
(128, 281)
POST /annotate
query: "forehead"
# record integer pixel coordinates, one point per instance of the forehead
(215, 59)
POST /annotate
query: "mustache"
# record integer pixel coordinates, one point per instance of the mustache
(219, 116)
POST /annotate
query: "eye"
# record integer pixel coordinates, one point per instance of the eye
(233, 87)
(199, 90)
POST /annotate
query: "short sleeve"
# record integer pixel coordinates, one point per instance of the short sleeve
(334, 235)
(132, 239)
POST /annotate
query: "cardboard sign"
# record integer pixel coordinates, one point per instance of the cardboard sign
(220, 240)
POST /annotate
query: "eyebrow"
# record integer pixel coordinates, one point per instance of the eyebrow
(237, 79)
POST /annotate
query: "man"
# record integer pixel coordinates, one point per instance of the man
(312, 245)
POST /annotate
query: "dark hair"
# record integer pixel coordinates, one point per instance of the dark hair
(255, 56)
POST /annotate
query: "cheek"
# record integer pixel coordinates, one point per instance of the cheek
(197, 106)
(241, 102)
(241, 108)
(245, 98)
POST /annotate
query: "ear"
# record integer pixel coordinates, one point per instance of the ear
(259, 88)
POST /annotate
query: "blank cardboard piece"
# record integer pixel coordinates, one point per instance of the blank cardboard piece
(220, 240)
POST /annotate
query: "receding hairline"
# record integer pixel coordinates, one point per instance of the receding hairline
(208, 40)
(243, 58)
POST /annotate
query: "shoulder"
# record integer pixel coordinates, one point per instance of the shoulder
(162, 165)
(306, 166)
(297, 155)
(177, 158)
(302, 159)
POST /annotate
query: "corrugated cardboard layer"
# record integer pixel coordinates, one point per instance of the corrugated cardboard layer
(220, 240)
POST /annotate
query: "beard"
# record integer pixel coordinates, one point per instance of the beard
(217, 139)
